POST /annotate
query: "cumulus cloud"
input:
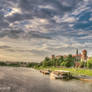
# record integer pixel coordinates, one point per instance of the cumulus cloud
(66, 18)
(90, 19)
(39, 28)
(11, 12)
(46, 7)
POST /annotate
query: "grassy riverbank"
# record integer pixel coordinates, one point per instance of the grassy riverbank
(74, 71)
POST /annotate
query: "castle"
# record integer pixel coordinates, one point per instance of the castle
(78, 56)
(82, 56)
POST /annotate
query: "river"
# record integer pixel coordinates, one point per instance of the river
(30, 80)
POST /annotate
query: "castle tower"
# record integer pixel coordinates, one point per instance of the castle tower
(84, 55)
(77, 58)
(76, 52)
(53, 56)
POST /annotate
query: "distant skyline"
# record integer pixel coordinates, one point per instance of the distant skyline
(33, 29)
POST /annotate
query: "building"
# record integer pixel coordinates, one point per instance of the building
(78, 56)
(81, 57)
(84, 56)
(53, 56)
(58, 56)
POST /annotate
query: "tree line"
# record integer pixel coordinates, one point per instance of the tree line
(62, 61)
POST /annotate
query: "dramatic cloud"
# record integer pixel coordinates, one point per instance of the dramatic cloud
(33, 29)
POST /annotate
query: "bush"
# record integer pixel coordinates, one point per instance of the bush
(3, 64)
(63, 63)
(89, 63)
(67, 63)
(82, 64)
(14, 65)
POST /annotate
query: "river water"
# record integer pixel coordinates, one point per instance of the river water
(30, 80)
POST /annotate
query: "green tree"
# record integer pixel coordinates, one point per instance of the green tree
(54, 62)
(60, 60)
(46, 62)
(68, 61)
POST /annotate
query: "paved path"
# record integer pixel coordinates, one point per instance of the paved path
(30, 80)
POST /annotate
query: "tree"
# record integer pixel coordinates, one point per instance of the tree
(54, 62)
(60, 60)
(68, 61)
(46, 62)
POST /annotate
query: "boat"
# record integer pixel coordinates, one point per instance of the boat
(46, 72)
(60, 74)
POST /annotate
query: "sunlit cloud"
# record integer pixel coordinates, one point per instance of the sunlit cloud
(30, 31)
(46, 7)
(34, 24)
(11, 12)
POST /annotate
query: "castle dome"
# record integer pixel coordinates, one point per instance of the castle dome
(84, 50)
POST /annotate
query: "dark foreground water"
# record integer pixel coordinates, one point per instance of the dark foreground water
(30, 80)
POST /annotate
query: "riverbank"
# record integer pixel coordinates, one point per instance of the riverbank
(74, 71)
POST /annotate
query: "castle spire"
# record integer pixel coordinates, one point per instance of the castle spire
(77, 52)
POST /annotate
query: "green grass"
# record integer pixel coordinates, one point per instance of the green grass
(74, 71)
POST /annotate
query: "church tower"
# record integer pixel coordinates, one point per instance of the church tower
(84, 55)
(77, 52)
(77, 55)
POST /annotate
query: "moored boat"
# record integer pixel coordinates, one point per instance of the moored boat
(60, 74)
(46, 72)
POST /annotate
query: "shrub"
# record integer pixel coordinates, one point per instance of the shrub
(67, 63)
(63, 63)
(89, 63)
(82, 64)
(3, 64)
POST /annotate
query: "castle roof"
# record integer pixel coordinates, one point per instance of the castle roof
(84, 50)
(77, 55)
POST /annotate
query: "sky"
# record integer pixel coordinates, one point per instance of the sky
(33, 29)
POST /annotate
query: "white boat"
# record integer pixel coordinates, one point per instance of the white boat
(60, 74)
(47, 72)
